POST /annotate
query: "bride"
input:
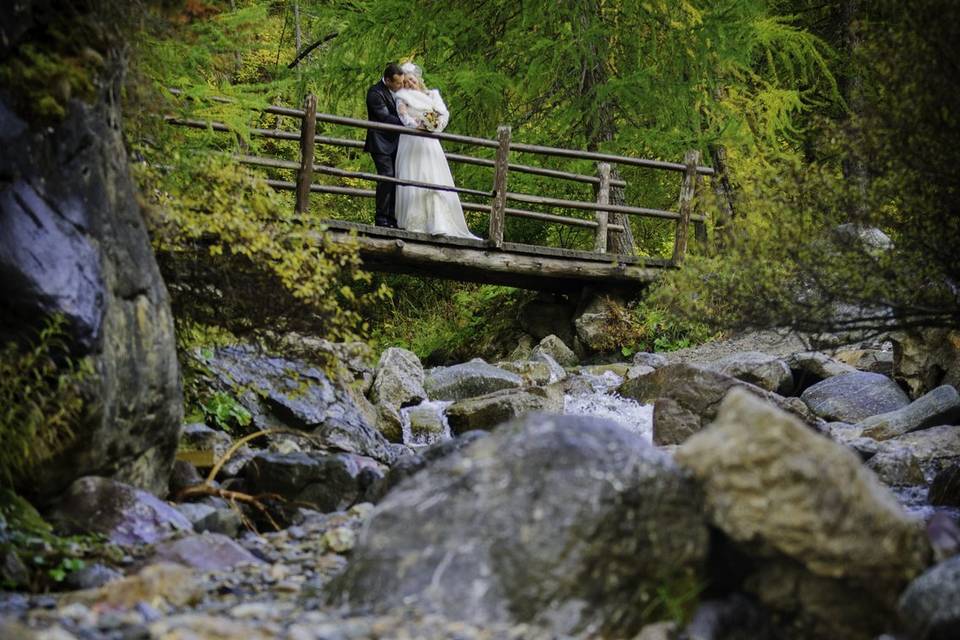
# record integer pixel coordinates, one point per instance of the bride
(422, 160)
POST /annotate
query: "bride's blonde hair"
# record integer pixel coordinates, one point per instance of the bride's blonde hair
(415, 73)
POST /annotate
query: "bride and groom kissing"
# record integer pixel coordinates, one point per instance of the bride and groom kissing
(401, 98)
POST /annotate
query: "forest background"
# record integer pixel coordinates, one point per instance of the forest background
(823, 116)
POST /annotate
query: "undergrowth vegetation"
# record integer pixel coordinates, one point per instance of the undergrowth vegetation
(41, 399)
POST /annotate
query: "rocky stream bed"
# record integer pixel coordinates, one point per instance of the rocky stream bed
(718, 492)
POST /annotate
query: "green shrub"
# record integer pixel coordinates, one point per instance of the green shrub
(41, 401)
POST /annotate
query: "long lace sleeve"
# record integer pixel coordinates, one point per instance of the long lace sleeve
(440, 108)
(403, 110)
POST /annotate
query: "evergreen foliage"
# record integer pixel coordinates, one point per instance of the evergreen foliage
(797, 258)
(41, 395)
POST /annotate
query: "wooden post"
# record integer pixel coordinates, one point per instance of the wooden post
(687, 190)
(603, 197)
(308, 129)
(499, 187)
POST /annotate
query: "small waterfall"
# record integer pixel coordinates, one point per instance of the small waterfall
(425, 423)
(596, 399)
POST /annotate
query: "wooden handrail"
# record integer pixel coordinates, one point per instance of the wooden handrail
(277, 134)
(497, 209)
(286, 185)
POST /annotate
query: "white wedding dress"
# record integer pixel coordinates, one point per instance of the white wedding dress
(422, 160)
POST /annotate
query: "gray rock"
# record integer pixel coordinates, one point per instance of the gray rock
(618, 369)
(811, 367)
(938, 407)
(399, 379)
(557, 372)
(532, 371)
(652, 360)
(411, 463)
(930, 606)
(204, 551)
(124, 514)
(426, 422)
(896, 467)
(289, 393)
(90, 577)
(183, 475)
(567, 521)
(198, 436)
(353, 358)
(870, 238)
(926, 359)
(945, 488)
(872, 360)
(327, 482)
(389, 423)
(74, 243)
(487, 411)
(558, 350)
(766, 371)
(468, 380)
(685, 399)
(935, 448)
(852, 397)
(594, 321)
(776, 488)
(206, 517)
(639, 371)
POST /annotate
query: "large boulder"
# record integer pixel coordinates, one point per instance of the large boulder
(853, 397)
(558, 350)
(930, 607)
(399, 379)
(283, 393)
(810, 367)
(593, 323)
(781, 492)
(532, 371)
(926, 359)
(935, 448)
(938, 407)
(686, 398)
(74, 243)
(203, 551)
(567, 521)
(122, 513)
(896, 467)
(468, 380)
(766, 371)
(487, 411)
(323, 482)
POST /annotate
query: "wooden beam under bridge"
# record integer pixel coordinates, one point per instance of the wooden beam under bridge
(516, 265)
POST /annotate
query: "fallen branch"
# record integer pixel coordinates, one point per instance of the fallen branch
(311, 47)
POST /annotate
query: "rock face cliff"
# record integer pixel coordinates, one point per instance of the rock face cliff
(73, 242)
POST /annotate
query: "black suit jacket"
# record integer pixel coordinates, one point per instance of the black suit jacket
(381, 108)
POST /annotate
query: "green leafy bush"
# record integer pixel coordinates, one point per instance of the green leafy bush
(41, 400)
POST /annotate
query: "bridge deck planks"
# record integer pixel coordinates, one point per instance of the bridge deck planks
(517, 265)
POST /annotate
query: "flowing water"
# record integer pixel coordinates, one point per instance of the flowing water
(591, 395)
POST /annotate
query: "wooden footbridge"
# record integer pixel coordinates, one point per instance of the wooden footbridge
(490, 260)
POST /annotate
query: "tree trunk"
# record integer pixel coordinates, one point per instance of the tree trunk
(599, 122)
(298, 36)
(854, 166)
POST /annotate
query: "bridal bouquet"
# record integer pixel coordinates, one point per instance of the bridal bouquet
(431, 120)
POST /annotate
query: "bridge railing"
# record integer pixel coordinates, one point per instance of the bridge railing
(499, 194)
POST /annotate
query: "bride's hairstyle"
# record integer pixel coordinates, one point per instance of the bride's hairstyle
(412, 70)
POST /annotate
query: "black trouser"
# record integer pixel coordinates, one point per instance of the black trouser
(386, 191)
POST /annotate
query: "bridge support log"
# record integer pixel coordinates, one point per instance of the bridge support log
(603, 198)
(308, 130)
(499, 205)
(687, 191)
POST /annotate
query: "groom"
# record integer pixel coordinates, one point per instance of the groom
(382, 145)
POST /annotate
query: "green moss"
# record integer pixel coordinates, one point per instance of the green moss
(45, 80)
